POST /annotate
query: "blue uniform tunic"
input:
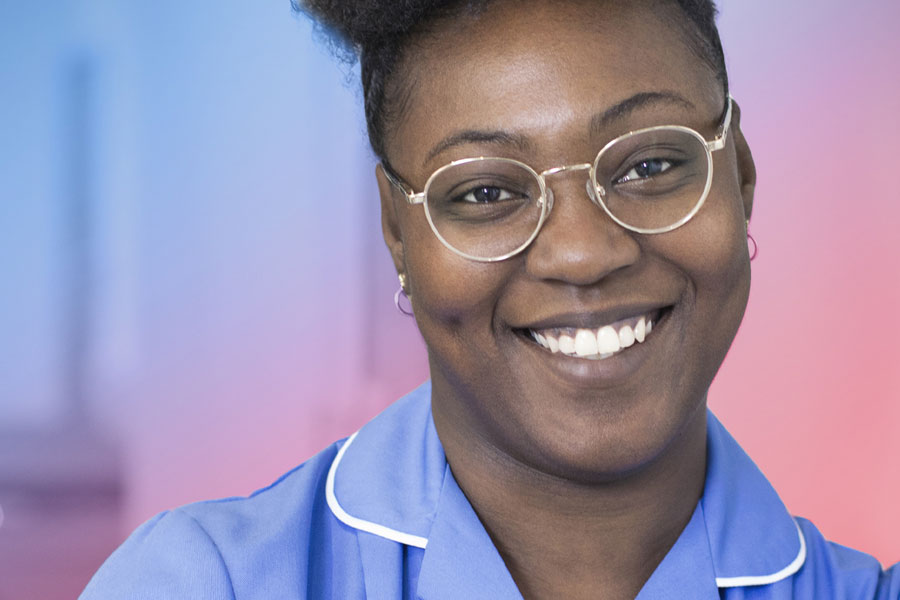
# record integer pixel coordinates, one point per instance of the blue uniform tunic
(380, 516)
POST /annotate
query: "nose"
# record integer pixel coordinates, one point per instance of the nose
(578, 244)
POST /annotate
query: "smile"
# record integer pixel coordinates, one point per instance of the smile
(595, 344)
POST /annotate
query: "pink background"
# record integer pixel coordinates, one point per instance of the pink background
(241, 314)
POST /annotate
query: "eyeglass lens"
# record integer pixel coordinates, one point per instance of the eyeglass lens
(488, 208)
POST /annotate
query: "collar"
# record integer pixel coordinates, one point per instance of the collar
(391, 479)
(387, 477)
(753, 539)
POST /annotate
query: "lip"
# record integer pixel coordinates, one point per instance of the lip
(584, 373)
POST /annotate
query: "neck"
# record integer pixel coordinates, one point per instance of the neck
(617, 531)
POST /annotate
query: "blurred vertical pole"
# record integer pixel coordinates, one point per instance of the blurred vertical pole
(61, 485)
(77, 215)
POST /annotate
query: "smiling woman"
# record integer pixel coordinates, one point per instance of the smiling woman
(565, 193)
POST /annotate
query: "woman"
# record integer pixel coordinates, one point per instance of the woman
(565, 194)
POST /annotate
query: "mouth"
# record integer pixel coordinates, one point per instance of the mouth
(597, 342)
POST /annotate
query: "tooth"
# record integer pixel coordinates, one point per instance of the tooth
(649, 326)
(626, 336)
(540, 339)
(566, 344)
(553, 344)
(640, 330)
(585, 343)
(607, 340)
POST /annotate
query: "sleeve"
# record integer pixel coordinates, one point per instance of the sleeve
(170, 556)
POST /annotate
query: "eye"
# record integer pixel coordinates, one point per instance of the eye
(646, 169)
(486, 194)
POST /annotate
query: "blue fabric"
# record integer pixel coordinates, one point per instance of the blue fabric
(394, 524)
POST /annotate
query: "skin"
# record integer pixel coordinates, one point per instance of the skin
(564, 457)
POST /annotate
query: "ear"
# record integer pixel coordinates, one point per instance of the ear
(390, 224)
(746, 166)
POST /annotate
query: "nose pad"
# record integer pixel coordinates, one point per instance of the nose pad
(548, 194)
(592, 192)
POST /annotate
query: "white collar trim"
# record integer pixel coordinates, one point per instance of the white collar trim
(409, 539)
(729, 582)
(361, 524)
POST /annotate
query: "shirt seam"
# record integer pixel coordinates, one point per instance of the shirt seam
(217, 549)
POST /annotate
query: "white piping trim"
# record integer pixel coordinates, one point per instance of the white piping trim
(367, 526)
(421, 542)
(728, 582)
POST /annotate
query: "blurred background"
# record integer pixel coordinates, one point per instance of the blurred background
(195, 296)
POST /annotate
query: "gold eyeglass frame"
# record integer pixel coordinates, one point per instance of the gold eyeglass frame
(595, 191)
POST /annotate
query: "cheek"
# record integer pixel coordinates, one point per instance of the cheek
(454, 305)
(449, 293)
(717, 254)
(722, 284)
(712, 247)
(712, 253)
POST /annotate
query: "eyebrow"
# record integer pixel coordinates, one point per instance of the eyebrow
(477, 136)
(627, 106)
(599, 122)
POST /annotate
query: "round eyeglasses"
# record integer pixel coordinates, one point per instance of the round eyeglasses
(648, 181)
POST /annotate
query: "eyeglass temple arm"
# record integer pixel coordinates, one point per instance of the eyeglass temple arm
(722, 136)
(411, 196)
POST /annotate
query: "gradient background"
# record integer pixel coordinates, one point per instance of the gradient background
(195, 296)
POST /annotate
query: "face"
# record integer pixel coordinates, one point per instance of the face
(539, 76)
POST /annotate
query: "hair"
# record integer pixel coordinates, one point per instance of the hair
(377, 32)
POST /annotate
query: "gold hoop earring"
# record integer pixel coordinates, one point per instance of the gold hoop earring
(400, 294)
(752, 247)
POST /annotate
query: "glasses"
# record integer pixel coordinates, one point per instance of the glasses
(649, 181)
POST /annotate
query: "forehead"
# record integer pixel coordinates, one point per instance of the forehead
(540, 70)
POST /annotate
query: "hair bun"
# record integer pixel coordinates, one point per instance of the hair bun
(377, 31)
(360, 24)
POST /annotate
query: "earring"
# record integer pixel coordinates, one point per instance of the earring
(400, 294)
(752, 246)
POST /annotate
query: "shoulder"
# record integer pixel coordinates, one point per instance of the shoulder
(152, 563)
(835, 571)
(760, 551)
(255, 546)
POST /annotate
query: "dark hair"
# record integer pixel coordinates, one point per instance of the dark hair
(378, 31)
